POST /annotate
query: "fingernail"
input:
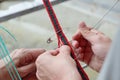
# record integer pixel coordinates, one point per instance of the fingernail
(82, 25)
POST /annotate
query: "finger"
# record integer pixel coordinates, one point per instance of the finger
(47, 55)
(36, 52)
(53, 52)
(64, 50)
(82, 25)
(79, 54)
(77, 35)
(30, 56)
(77, 51)
(74, 43)
(25, 70)
(31, 76)
(86, 32)
(82, 28)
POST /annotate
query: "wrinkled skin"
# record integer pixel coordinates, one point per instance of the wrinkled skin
(92, 48)
(24, 60)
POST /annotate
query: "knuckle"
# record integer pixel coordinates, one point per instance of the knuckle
(39, 60)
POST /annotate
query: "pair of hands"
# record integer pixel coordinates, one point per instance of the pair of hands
(90, 46)
(58, 64)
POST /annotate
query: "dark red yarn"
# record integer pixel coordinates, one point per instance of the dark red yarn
(61, 36)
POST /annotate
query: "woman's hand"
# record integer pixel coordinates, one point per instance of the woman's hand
(57, 65)
(91, 45)
(24, 60)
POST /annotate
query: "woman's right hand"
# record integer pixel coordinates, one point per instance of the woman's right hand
(91, 46)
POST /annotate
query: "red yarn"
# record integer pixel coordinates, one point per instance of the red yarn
(61, 36)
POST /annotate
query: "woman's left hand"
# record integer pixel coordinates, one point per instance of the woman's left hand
(24, 60)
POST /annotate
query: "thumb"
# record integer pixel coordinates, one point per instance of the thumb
(86, 32)
(64, 50)
(30, 56)
(25, 70)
